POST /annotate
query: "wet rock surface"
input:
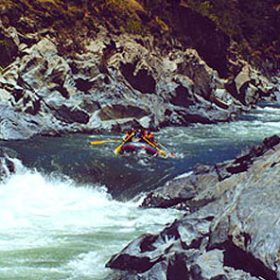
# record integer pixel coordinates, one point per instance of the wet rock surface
(114, 80)
(98, 91)
(7, 165)
(230, 225)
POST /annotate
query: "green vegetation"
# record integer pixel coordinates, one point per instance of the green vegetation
(255, 21)
(134, 26)
(223, 13)
(253, 25)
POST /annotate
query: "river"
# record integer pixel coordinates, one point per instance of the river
(71, 205)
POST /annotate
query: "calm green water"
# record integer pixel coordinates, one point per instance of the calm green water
(69, 206)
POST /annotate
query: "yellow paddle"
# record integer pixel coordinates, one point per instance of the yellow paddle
(99, 142)
(160, 151)
(118, 149)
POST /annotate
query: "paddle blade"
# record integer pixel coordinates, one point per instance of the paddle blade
(99, 142)
(162, 153)
(119, 148)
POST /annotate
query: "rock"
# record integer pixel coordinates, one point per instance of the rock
(4, 96)
(7, 165)
(112, 112)
(177, 87)
(210, 265)
(8, 51)
(69, 115)
(17, 126)
(114, 80)
(45, 47)
(9, 45)
(129, 260)
(249, 85)
(183, 192)
(182, 97)
(211, 42)
(222, 98)
(230, 230)
(140, 80)
(243, 77)
(83, 84)
(165, 198)
(145, 122)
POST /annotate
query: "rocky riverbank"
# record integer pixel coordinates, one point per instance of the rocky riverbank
(7, 166)
(103, 77)
(95, 66)
(230, 227)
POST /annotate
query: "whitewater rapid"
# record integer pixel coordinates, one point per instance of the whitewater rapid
(52, 228)
(56, 228)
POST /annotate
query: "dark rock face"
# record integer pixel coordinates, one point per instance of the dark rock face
(46, 89)
(8, 50)
(240, 259)
(230, 227)
(116, 80)
(142, 81)
(182, 97)
(120, 112)
(83, 85)
(7, 165)
(71, 116)
(211, 43)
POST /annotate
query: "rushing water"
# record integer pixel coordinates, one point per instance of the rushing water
(52, 229)
(58, 221)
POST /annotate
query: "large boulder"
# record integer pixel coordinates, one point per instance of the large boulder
(230, 229)
(117, 82)
(203, 34)
(8, 51)
(17, 125)
(249, 85)
(9, 45)
(7, 162)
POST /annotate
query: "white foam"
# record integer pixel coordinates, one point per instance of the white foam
(40, 212)
(184, 175)
(268, 109)
(87, 265)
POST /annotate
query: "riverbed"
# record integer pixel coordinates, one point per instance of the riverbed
(71, 205)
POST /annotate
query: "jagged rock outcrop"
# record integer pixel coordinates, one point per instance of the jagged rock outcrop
(110, 86)
(249, 86)
(7, 165)
(92, 92)
(200, 32)
(109, 78)
(194, 189)
(230, 229)
(223, 30)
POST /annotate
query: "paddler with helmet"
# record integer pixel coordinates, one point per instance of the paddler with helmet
(141, 135)
(132, 140)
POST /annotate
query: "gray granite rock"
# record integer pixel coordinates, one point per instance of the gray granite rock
(7, 164)
(117, 82)
(231, 226)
